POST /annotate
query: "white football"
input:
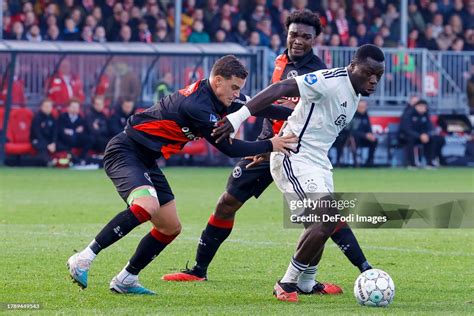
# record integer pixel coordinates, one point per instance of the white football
(374, 287)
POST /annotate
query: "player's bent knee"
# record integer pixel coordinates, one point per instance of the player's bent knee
(227, 206)
(170, 230)
(150, 204)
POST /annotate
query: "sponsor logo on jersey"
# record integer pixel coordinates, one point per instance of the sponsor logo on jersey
(341, 120)
(237, 172)
(213, 118)
(187, 132)
(292, 74)
(310, 79)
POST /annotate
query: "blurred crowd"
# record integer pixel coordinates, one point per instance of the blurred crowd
(436, 25)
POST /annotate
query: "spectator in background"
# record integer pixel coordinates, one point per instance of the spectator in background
(53, 34)
(372, 11)
(353, 42)
(71, 31)
(113, 23)
(198, 35)
(50, 20)
(427, 40)
(86, 34)
(162, 34)
(144, 34)
(361, 133)
(361, 33)
(379, 41)
(470, 90)
(99, 35)
(341, 26)
(257, 15)
(469, 22)
(264, 28)
(18, 32)
(124, 84)
(416, 129)
(469, 36)
(415, 19)
(119, 119)
(254, 39)
(34, 35)
(456, 25)
(241, 34)
(446, 38)
(64, 85)
(164, 87)
(437, 24)
(413, 38)
(73, 133)
(458, 46)
(97, 125)
(125, 34)
(210, 10)
(220, 36)
(43, 134)
(224, 14)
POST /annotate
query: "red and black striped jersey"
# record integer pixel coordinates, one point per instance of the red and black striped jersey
(186, 115)
(285, 69)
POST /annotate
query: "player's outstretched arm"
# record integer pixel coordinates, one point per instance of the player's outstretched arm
(241, 148)
(229, 124)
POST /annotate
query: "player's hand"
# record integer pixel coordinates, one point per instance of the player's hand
(284, 143)
(285, 102)
(223, 130)
(256, 160)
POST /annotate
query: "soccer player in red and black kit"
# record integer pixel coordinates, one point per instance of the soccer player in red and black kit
(251, 176)
(160, 131)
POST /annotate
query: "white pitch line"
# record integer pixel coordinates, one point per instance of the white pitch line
(267, 243)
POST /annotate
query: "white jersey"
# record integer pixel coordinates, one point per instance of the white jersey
(327, 104)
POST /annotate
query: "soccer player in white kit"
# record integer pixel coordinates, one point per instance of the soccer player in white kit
(329, 99)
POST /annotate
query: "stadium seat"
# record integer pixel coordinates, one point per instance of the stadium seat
(18, 132)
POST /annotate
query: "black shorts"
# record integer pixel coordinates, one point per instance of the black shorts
(244, 183)
(130, 165)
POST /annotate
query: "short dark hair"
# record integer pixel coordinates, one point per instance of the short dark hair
(421, 101)
(368, 51)
(305, 17)
(229, 66)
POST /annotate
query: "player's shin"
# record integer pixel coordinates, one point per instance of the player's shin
(344, 237)
(119, 226)
(216, 232)
(148, 249)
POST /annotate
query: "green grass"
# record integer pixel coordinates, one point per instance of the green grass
(47, 214)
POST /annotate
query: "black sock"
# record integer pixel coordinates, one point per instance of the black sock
(119, 226)
(212, 237)
(349, 245)
(148, 249)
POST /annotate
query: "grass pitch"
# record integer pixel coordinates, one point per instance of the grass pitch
(47, 214)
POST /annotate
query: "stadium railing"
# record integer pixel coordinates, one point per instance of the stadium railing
(440, 77)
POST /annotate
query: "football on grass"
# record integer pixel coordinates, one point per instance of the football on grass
(374, 287)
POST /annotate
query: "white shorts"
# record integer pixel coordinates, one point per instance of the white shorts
(293, 176)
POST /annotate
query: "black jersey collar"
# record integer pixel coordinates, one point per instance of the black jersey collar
(305, 60)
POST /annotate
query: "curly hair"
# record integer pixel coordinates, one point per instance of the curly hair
(305, 17)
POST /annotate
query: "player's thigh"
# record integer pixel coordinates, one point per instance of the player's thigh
(244, 183)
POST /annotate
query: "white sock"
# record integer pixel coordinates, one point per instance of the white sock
(126, 277)
(294, 270)
(306, 280)
(87, 254)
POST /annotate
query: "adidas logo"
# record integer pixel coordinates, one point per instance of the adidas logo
(344, 104)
